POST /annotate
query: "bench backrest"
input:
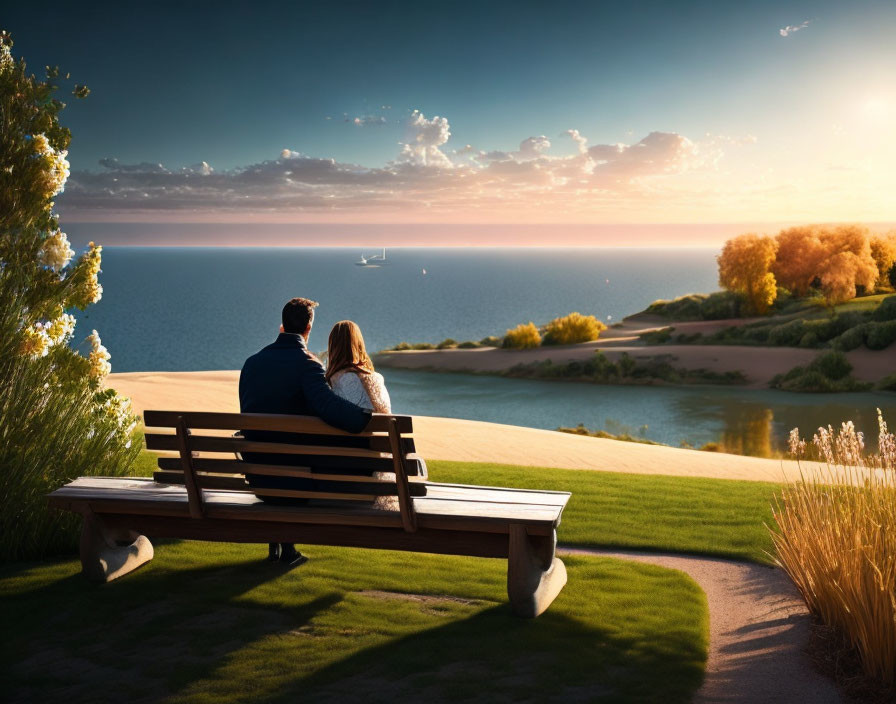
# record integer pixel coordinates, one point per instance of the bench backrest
(359, 467)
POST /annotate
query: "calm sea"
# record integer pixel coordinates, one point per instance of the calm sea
(209, 308)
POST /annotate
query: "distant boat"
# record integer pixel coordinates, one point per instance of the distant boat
(372, 260)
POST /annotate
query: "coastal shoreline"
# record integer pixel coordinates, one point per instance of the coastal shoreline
(758, 364)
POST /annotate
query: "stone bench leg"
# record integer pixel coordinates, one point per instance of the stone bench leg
(102, 558)
(535, 575)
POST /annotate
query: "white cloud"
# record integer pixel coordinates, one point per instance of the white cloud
(791, 28)
(423, 139)
(465, 179)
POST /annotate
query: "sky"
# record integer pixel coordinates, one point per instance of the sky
(569, 116)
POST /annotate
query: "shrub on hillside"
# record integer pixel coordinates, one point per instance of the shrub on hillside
(853, 338)
(828, 372)
(447, 344)
(467, 345)
(700, 306)
(886, 310)
(572, 328)
(491, 341)
(523, 336)
(881, 335)
(888, 383)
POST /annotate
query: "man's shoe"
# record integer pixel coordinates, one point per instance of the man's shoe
(273, 552)
(292, 558)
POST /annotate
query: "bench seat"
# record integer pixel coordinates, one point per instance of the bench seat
(516, 524)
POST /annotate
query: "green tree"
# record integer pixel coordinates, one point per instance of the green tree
(57, 421)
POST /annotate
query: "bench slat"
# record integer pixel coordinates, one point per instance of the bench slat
(379, 423)
(208, 443)
(236, 482)
(206, 464)
(144, 496)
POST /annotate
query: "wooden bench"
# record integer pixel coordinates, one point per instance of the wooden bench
(383, 499)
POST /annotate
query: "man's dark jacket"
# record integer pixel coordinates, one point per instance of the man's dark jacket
(286, 378)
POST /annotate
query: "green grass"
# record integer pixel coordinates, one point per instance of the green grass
(717, 517)
(211, 623)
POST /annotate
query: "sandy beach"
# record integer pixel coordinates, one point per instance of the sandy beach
(474, 441)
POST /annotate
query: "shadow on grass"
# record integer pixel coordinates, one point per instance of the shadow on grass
(202, 624)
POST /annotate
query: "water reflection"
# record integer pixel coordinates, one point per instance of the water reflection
(744, 421)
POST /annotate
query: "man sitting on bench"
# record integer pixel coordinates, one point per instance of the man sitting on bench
(286, 378)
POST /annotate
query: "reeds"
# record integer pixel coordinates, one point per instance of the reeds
(836, 538)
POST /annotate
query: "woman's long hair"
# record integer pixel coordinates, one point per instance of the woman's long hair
(346, 351)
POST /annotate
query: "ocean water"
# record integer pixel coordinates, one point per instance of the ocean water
(178, 309)
(186, 309)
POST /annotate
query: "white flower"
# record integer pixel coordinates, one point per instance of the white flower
(99, 358)
(61, 329)
(56, 251)
(56, 162)
(37, 341)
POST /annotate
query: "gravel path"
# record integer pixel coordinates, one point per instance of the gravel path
(759, 628)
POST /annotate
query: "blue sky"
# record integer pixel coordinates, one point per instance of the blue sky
(234, 84)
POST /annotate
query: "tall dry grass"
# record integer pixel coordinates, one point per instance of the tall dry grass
(836, 538)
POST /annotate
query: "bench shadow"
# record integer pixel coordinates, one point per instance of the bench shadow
(562, 659)
(162, 615)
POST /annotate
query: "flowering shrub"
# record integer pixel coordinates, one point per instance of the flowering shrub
(836, 538)
(523, 336)
(572, 328)
(57, 421)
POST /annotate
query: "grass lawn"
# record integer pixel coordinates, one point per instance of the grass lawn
(211, 623)
(717, 517)
(645, 512)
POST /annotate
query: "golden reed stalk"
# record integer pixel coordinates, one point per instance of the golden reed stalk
(836, 538)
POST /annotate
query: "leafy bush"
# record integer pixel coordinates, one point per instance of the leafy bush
(491, 341)
(446, 344)
(56, 420)
(467, 345)
(572, 328)
(834, 365)
(828, 372)
(880, 335)
(657, 337)
(523, 336)
(700, 306)
(888, 383)
(886, 310)
(852, 338)
(788, 334)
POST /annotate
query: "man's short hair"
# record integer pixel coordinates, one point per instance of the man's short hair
(297, 313)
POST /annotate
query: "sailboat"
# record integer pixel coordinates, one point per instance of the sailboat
(372, 260)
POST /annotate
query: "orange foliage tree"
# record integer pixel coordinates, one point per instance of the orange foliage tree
(883, 252)
(839, 258)
(745, 267)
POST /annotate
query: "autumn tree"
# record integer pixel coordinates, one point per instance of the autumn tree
(836, 258)
(799, 256)
(745, 267)
(883, 251)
